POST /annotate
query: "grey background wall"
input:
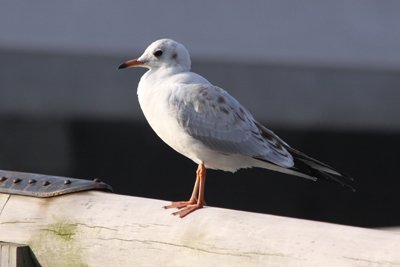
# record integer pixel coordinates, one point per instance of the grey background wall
(237, 45)
(324, 76)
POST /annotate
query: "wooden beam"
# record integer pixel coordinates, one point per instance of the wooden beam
(102, 229)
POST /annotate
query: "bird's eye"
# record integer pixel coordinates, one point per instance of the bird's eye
(158, 53)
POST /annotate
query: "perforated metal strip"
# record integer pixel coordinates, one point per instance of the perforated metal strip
(39, 185)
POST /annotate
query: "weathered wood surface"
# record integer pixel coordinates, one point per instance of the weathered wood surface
(102, 229)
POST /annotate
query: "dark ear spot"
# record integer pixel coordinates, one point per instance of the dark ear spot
(174, 55)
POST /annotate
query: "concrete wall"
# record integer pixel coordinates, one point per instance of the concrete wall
(356, 33)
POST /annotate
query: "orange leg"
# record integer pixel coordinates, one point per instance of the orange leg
(193, 203)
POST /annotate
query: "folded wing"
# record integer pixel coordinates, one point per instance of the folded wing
(215, 118)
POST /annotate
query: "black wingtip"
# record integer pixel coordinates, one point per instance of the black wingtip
(345, 176)
(323, 175)
(349, 187)
(330, 178)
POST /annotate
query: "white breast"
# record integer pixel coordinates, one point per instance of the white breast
(154, 99)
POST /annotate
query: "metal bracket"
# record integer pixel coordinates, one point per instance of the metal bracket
(39, 185)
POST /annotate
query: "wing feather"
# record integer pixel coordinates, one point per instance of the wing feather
(215, 118)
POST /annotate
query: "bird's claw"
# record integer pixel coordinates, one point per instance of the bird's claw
(188, 209)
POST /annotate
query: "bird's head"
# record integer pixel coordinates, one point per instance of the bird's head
(164, 53)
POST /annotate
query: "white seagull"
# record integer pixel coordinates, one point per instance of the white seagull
(209, 126)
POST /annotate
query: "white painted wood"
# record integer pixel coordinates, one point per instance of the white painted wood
(102, 229)
(391, 229)
(3, 200)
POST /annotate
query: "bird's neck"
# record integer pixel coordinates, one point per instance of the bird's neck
(165, 72)
(158, 76)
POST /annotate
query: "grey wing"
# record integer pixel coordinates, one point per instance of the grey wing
(214, 117)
